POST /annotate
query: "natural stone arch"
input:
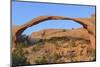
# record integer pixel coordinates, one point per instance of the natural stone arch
(85, 22)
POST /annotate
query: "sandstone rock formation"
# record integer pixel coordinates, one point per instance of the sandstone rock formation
(87, 23)
(80, 33)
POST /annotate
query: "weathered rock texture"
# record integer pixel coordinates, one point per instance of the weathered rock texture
(87, 23)
(80, 33)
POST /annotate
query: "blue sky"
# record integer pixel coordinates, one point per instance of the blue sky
(23, 12)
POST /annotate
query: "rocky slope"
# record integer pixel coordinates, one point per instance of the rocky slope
(58, 46)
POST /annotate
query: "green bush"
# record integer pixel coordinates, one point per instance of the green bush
(36, 48)
(18, 60)
(64, 30)
(24, 42)
(41, 60)
(18, 57)
(57, 56)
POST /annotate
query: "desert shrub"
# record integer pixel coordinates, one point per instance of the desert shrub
(41, 60)
(37, 47)
(64, 30)
(26, 52)
(57, 56)
(39, 42)
(18, 57)
(23, 44)
(51, 41)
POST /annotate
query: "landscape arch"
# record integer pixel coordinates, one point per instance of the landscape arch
(87, 23)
